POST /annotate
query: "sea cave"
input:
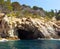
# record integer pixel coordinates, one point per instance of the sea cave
(29, 35)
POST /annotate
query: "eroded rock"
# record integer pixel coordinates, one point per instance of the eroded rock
(29, 28)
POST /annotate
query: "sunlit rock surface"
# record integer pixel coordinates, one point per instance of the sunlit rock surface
(29, 28)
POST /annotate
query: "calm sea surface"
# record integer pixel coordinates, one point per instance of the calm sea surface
(31, 44)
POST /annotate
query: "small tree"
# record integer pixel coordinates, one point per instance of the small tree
(50, 14)
(1, 2)
(16, 6)
(58, 15)
(36, 8)
(7, 5)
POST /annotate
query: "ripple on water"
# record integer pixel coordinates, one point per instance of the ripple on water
(31, 44)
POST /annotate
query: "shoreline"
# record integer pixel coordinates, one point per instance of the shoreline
(11, 39)
(8, 39)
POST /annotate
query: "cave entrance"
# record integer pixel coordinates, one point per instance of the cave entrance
(27, 35)
(23, 34)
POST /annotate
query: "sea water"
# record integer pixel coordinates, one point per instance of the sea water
(31, 44)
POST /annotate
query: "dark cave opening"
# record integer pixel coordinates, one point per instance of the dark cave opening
(26, 35)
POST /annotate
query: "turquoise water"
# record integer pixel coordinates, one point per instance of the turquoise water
(31, 44)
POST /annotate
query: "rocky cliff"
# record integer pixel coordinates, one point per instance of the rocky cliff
(29, 28)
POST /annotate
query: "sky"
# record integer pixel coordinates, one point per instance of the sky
(45, 4)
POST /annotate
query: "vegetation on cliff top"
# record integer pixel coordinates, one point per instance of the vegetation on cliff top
(16, 10)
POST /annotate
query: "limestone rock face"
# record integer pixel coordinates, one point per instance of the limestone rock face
(38, 28)
(3, 26)
(29, 28)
